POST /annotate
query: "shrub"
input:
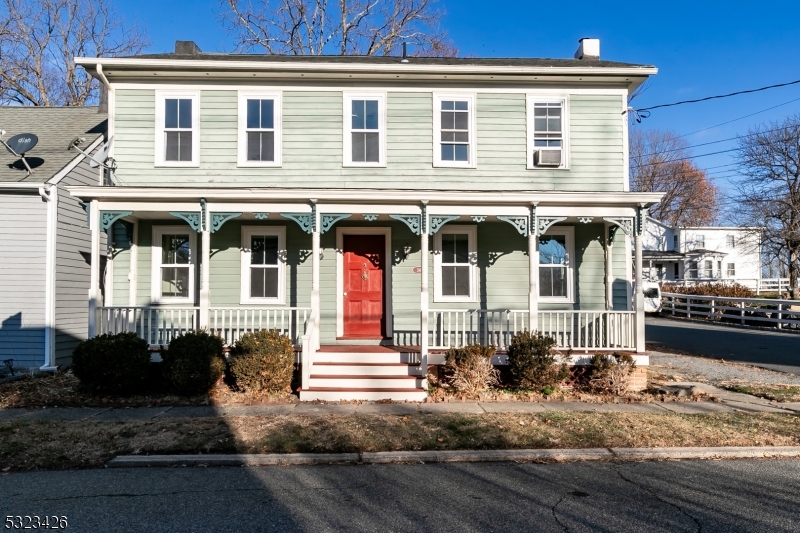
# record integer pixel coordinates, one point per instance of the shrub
(262, 362)
(469, 369)
(193, 363)
(116, 364)
(730, 290)
(609, 375)
(532, 363)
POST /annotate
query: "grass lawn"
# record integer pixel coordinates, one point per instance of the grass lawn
(31, 444)
(779, 393)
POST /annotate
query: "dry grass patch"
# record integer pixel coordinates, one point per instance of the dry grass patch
(27, 445)
(778, 393)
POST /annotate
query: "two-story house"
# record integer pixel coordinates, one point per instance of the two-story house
(702, 253)
(377, 210)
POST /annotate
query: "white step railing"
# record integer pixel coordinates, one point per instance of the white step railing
(590, 330)
(230, 323)
(577, 330)
(309, 344)
(157, 325)
(765, 312)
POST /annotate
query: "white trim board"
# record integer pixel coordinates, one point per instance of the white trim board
(387, 280)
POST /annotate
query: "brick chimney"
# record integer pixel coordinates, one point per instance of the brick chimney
(187, 48)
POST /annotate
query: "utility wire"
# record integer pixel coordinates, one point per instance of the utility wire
(685, 158)
(740, 118)
(712, 142)
(715, 97)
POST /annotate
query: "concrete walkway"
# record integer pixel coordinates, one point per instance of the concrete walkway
(729, 402)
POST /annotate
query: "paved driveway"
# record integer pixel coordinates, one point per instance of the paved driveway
(767, 349)
(648, 497)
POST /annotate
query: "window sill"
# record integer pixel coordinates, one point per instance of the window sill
(257, 164)
(364, 165)
(534, 167)
(443, 164)
(265, 301)
(176, 164)
(452, 300)
(174, 301)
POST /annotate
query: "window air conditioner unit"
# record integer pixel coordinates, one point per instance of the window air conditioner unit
(547, 157)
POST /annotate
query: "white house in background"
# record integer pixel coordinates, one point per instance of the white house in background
(706, 253)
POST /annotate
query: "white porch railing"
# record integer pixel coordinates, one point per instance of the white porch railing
(156, 325)
(765, 312)
(309, 345)
(230, 323)
(159, 325)
(577, 330)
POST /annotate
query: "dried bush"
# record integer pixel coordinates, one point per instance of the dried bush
(610, 374)
(469, 369)
(115, 364)
(194, 362)
(263, 362)
(730, 290)
(533, 363)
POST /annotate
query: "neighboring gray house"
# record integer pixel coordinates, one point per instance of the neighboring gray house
(44, 238)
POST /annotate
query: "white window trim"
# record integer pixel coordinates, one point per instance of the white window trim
(569, 233)
(472, 161)
(155, 256)
(278, 127)
(347, 122)
(472, 249)
(532, 99)
(160, 147)
(247, 233)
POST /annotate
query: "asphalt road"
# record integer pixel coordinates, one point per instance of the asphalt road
(758, 495)
(767, 349)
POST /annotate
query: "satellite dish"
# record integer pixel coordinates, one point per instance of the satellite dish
(102, 155)
(24, 142)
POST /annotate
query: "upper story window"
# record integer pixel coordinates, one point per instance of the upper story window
(555, 266)
(675, 243)
(455, 264)
(259, 129)
(364, 130)
(177, 138)
(548, 143)
(731, 270)
(263, 264)
(699, 241)
(454, 130)
(730, 241)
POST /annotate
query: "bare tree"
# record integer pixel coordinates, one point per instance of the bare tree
(659, 161)
(39, 40)
(768, 194)
(344, 27)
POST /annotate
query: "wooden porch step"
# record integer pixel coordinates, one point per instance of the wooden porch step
(335, 394)
(363, 376)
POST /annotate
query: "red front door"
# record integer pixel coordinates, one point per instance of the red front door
(364, 261)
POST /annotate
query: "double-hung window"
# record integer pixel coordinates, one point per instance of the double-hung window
(364, 130)
(730, 241)
(259, 129)
(548, 145)
(731, 270)
(263, 264)
(177, 138)
(699, 242)
(708, 268)
(173, 260)
(455, 263)
(454, 130)
(555, 265)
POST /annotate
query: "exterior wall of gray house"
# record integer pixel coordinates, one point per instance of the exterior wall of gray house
(23, 250)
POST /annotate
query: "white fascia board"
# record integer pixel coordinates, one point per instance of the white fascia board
(61, 174)
(20, 186)
(365, 196)
(407, 68)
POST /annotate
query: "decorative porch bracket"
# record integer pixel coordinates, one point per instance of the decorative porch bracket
(329, 219)
(478, 218)
(437, 221)
(625, 224)
(261, 216)
(107, 218)
(641, 220)
(218, 219)
(520, 223)
(412, 221)
(545, 223)
(304, 220)
(585, 220)
(370, 217)
(193, 218)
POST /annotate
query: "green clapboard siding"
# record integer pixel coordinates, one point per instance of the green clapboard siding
(120, 285)
(312, 145)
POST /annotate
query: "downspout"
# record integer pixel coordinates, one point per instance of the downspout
(50, 195)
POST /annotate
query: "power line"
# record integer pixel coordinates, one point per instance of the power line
(715, 97)
(711, 142)
(685, 158)
(741, 118)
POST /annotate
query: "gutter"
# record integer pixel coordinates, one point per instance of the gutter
(50, 195)
(20, 185)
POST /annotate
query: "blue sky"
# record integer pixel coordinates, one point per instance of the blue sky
(701, 48)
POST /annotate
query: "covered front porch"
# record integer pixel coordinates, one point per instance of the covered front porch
(342, 268)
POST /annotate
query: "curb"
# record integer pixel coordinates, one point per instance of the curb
(458, 456)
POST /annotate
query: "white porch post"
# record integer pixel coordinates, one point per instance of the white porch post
(423, 304)
(315, 250)
(94, 276)
(533, 281)
(609, 269)
(639, 294)
(205, 279)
